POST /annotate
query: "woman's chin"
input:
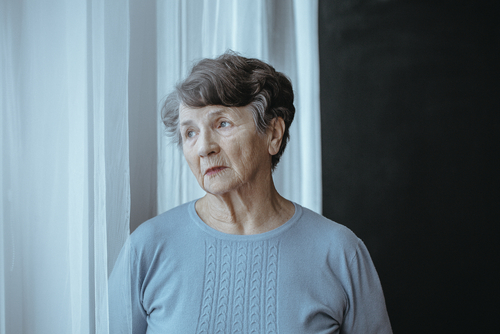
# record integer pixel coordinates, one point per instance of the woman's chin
(217, 191)
(219, 188)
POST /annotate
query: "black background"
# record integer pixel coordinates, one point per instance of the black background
(409, 116)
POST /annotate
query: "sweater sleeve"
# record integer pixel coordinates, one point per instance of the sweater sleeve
(126, 314)
(367, 312)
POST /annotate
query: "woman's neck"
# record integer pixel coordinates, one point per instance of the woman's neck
(240, 213)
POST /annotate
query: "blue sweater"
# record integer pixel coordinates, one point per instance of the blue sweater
(310, 275)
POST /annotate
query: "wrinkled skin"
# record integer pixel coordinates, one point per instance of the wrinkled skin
(232, 162)
(223, 148)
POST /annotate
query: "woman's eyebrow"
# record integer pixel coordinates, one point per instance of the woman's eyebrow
(211, 113)
(187, 122)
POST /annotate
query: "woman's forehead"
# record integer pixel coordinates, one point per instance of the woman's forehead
(208, 112)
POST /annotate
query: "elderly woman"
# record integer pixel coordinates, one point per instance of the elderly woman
(241, 259)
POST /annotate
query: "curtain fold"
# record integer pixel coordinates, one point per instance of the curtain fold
(282, 33)
(64, 132)
(65, 184)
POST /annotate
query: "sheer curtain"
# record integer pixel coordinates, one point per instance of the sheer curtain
(64, 199)
(64, 137)
(283, 33)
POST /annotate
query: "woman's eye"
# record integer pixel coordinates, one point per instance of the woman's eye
(190, 134)
(224, 124)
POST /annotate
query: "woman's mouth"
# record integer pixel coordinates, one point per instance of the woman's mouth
(214, 170)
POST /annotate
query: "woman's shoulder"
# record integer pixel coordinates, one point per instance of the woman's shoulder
(323, 229)
(165, 224)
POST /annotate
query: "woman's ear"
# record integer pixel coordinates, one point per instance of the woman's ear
(277, 130)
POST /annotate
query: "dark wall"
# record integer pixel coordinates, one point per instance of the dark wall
(409, 115)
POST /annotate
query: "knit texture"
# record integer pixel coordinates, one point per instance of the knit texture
(240, 282)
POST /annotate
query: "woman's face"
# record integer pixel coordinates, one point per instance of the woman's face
(223, 148)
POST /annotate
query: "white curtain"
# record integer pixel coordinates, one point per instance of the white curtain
(64, 199)
(284, 33)
(64, 137)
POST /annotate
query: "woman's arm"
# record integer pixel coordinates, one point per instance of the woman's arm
(126, 314)
(367, 312)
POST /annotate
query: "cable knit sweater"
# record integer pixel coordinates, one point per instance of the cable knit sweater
(310, 275)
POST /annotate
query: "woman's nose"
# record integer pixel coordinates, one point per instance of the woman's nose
(207, 144)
